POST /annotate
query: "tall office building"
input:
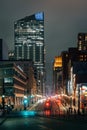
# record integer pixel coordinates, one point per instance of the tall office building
(29, 43)
(82, 41)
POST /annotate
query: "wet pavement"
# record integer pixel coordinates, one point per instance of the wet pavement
(2, 119)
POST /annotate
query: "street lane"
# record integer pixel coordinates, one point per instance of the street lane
(41, 123)
(38, 118)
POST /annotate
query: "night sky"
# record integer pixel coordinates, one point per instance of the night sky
(64, 19)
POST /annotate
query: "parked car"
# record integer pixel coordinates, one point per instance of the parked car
(7, 108)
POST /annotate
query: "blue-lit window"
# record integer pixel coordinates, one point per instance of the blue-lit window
(39, 16)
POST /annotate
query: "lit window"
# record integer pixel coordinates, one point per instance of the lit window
(86, 38)
(8, 80)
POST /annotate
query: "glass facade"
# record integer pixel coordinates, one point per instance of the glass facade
(29, 42)
(29, 38)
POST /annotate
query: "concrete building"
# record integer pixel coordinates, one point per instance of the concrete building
(74, 73)
(13, 83)
(57, 75)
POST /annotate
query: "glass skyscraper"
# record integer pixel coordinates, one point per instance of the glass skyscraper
(29, 41)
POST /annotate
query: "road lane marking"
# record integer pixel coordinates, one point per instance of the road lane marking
(44, 127)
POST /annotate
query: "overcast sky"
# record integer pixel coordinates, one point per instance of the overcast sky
(64, 19)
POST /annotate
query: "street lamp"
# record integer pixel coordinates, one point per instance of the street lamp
(3, 101)
(79, 86)
(3, 96)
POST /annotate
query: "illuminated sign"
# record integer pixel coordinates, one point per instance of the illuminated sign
(39, 16)
(58, 62)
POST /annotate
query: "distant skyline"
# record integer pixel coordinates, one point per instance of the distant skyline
(64, 19)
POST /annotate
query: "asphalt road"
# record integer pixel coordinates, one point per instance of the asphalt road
(30, 120)
(41, 123)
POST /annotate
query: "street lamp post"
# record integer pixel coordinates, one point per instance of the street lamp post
(78, 99)
(3, 101)
(3, 96)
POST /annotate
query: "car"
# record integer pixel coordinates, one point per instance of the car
(47, 105)
(7, 108)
